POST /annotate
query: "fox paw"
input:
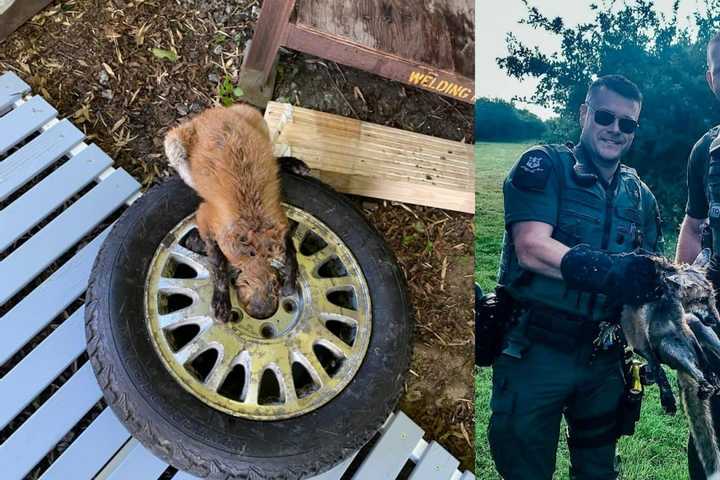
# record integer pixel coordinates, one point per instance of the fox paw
(705, 390)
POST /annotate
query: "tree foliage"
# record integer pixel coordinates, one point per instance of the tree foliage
(666, 61)
(501, 121)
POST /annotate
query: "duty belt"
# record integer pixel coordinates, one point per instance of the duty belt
(566, 331)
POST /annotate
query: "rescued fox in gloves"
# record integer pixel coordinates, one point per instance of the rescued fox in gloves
(679, 330)
(225, 155)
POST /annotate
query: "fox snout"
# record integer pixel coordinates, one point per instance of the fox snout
(258, 291)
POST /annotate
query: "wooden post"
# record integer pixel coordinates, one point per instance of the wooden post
(270, 33)
(260, 56)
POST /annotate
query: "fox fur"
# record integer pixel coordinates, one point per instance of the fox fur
(225, 155)
(678, 330)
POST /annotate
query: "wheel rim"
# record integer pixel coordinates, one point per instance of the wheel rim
(279, 367)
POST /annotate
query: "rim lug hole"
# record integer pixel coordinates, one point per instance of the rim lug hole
(268, 331)
(235, 316)
(288, 306)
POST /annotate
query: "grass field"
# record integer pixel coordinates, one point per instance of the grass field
(658, 448)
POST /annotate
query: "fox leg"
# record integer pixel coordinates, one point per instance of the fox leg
(701, 426)
(221, 294)
(291, 265)
(682, 357)
(294, 165)
(218, 267)
(667, 399)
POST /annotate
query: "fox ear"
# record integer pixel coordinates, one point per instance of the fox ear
(702, 259)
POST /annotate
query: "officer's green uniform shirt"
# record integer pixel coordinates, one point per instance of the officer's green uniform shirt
(533, 191)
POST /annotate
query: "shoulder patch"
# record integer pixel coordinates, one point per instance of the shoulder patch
(532, 171)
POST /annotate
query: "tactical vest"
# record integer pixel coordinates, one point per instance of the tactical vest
(713, 190)
(610, 221)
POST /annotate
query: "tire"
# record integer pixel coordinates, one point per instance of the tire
(194, 437)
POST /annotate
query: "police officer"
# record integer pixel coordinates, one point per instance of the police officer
(703, 210)
(570, 214)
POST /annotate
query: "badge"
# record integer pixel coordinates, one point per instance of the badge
(532, 171)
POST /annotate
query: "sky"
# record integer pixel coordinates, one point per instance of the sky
(495, 18)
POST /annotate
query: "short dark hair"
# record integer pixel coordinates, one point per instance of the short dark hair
(713, 40)
(616, 83)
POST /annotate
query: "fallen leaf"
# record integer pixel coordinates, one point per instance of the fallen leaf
(165, 54)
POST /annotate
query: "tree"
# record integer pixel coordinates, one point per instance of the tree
(667, 62)
(498, 120)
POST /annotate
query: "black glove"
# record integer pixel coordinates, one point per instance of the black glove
(626, 278)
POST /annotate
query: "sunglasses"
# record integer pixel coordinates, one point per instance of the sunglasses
(605, 118)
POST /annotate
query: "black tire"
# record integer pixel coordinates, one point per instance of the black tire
(194, 437)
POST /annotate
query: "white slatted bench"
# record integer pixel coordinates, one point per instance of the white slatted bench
(58, 198)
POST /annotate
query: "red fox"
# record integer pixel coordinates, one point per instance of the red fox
(679, 330)
(225, 155)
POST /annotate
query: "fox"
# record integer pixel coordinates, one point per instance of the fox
(225, 154)
(680, 331)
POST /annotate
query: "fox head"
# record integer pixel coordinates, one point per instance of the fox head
(257, 258)
(689, 284)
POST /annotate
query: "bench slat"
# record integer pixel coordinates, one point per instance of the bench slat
(92, 449)
(392, 451)
(41, 432)
(44, 303)
(31, 258)
(41, 366)
(11, 90)
(184, 476)
(24, 120)
(29, 210)
(139, 464)
(36, 156)
(436, 463)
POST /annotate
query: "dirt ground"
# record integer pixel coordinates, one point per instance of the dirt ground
(93, 61)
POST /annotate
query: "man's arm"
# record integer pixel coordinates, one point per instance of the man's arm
(536, 250)
(689, 241)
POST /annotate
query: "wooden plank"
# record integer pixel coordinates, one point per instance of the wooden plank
(12, 89)
(400, 191)
(340, 50)
(90, 451)
(37, 155)
(14, 13)
(33, 256)
(41, 366)
(29, 210)
(388, 456)
(139, 464)
(36, 310)
(376, 161)
(436, 463)
(437, 33)
(270, 31)
(29, 443)
(19, 123)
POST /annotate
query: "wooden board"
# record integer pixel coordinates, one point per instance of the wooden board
(14, 13)
(376, 161)
(425, 43)
(435, 33)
